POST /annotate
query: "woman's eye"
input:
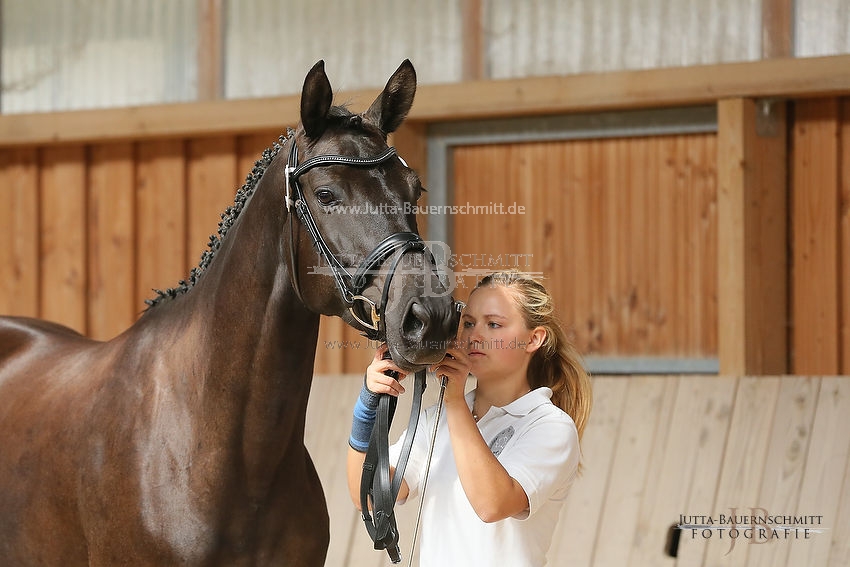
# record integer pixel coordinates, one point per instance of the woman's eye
(467, 324)
(325, 196)
(493, 325)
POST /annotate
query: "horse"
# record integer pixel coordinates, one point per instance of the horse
(181, 440)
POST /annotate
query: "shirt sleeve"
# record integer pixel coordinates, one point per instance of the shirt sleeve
(543, 460)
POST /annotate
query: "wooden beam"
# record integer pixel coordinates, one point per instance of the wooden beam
(815, 214)
(751, 211)
(210, 50)
(844, 247)
(472, 36)
(777, 28)
(702, 84)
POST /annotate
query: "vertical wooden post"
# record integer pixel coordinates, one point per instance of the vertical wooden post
(844, 246)
(814, 204)
(210, 49)
(472, 37)
(777, 28)
(752, 259)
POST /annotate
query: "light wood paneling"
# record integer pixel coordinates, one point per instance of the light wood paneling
(825, 471)
(623, 230)
(656, 449)
(19, 230)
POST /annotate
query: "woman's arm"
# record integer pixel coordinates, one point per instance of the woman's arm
(378, 383)
(354, 466)
(492, 492)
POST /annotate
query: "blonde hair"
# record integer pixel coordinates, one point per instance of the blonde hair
(556, 364)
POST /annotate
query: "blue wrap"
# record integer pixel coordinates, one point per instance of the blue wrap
(363, 420)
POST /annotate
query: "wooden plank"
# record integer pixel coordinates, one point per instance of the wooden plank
(210, 49)
(473, 65)
(699, 434)
(62, 287)
(160, 217)
(111, 241)
(643, 415)
(777, 28)
(752, 262)
(786, 461)
(839, 554)
(641, 219)
(844, 247)
(19, 230)
(826, 466)
(328, 426)
(685, 460)
(705, 217)
(577, 531)
(212, 185)
(698, 84)
(815, 201)
(647, 541)
(743, 466)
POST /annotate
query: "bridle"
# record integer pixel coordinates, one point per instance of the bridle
(375, 481)
(350, 286)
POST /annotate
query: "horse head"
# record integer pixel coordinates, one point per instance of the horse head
(356, 251)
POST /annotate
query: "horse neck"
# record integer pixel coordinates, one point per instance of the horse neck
(246, 341)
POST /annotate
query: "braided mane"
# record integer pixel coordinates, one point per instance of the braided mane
(339, 117)
(228, 217)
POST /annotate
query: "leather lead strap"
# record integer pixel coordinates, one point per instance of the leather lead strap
(375, 482)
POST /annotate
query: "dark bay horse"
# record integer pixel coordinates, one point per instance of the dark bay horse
(181, 441)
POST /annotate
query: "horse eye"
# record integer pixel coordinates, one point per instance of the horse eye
(325, 196)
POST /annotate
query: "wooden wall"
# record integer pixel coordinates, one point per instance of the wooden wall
(634, 235)
(657, 447)
(624, 230)
(90, 229)
(820, 205)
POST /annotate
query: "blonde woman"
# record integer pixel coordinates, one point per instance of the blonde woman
(507, 452)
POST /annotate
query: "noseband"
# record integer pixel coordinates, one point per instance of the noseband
(350, 286)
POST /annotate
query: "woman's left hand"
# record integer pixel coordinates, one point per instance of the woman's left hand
(455, 367)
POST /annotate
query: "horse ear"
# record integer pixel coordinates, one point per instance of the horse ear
(316, 98)
(392, 105)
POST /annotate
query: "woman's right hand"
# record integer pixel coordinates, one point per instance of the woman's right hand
(377, 381)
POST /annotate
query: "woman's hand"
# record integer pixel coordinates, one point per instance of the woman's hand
(455, 367)
(380, 383)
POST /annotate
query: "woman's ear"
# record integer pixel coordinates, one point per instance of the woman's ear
(536, 340)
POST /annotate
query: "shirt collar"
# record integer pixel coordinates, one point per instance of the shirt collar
(522, 405)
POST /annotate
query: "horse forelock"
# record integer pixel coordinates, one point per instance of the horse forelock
(228, 218)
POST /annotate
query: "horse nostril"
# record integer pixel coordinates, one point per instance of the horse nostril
(416, 321)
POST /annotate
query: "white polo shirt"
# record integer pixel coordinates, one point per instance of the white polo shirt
(536, 442)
